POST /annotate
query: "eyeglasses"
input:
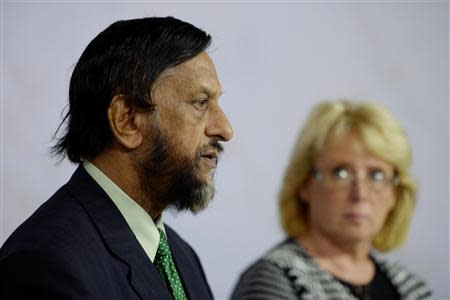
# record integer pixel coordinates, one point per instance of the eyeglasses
(342, 178)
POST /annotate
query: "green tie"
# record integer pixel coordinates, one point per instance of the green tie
(166, 267)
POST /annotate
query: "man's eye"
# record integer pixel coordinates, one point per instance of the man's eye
(201, 104)
(377, 175)
(340, 173)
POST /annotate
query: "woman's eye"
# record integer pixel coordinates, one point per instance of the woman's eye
(377, 175)
(340, 173)
(201, 104)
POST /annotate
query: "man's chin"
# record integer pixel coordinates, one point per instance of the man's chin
(205, 173)
(202, 197)
(206, 178)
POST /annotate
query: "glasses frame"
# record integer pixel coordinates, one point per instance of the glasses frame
(393, 181)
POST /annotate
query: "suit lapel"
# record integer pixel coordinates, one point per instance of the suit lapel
(185, 271)
(189, 270)
(117, 235)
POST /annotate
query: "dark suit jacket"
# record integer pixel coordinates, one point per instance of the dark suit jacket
(77, 245)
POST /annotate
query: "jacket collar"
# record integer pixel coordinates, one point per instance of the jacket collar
(117, 235)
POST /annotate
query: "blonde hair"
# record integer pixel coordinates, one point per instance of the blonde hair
(381, 134)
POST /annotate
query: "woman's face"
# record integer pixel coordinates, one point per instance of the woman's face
(350, 194)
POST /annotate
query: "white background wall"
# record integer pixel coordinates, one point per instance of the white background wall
(275, 60)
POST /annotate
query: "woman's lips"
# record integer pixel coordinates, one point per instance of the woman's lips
(356, 217)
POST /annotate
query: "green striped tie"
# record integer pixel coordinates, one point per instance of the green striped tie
(166, 267)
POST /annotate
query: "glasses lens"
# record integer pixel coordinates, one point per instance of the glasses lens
(341, 177)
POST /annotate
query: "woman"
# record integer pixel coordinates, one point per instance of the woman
(346, 190)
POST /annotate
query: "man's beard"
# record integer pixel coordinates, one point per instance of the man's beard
(170, 178)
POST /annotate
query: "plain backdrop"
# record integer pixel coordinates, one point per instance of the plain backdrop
(275, 60)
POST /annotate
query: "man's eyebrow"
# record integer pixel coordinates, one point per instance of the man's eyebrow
(206, 90)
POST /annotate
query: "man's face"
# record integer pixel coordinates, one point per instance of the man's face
(183, 147)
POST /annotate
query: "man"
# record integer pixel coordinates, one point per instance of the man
(145, 124)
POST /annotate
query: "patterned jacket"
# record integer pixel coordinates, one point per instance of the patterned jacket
(287, 272)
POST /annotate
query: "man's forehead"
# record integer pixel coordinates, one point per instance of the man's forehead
(198, 64)
(198, 75)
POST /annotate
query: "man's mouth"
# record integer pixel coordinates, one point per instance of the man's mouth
(209, 154)
(211, 158)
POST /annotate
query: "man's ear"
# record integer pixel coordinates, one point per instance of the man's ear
(127, 125)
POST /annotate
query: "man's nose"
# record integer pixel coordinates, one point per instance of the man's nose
(219, 126)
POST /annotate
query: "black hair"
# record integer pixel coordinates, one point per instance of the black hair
(126, 59)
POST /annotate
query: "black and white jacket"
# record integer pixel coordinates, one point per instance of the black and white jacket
(287, 272)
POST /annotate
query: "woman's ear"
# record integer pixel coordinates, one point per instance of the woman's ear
(304, 191)
(127, 125)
